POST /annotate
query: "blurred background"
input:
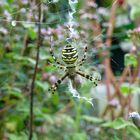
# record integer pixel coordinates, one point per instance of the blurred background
(111, 31)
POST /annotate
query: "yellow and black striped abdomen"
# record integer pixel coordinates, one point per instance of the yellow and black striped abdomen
(69, 54)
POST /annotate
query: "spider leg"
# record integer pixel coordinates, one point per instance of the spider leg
(58, 66)
(54, 87)
(52, 54)
(91, 78)
(84, 57)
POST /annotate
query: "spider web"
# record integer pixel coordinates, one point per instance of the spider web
(11, 19)
(76, 94)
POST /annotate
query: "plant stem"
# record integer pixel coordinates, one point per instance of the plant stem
(108, 43)
(129, 95)
(34, 75)
(139, 75)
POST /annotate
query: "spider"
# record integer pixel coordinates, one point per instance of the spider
(71, 64)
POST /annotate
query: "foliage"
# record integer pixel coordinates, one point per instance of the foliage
(130, 60)
(58, 116)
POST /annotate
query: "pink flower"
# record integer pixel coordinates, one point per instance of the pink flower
(52, 79)
(114, 103)
(135, 36)
(45, 76)
(43, 31)
(25, 1)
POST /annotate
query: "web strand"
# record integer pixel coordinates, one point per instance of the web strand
(2, 19)
(77, 95)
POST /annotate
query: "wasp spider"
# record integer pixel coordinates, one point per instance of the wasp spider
(71, 64)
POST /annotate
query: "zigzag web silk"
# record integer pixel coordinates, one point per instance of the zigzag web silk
(71, 2)
(71, 11)
(74, 92)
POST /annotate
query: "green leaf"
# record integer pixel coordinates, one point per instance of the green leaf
(24, 59)
(125, 89)
(49, 119)
(13, 137)
(135, 12)
(118, 124)
(42, 85)
(135, 89)
(116, 138)
(43, 54)
(11, 126)
(38, 121)
(23, 107)
(32, 33)
(92, 119)
(10, 1)
(130, 60)
(134, 131)
(64, 120)
(21, 136)
(79, 136)
(55, 99)
(32, 61)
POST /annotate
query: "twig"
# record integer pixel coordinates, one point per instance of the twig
(34, 75)
(129, 95)
(138, 74)
(108, 42)
(124, 75)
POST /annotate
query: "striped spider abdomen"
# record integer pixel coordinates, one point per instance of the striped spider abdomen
(69, 54)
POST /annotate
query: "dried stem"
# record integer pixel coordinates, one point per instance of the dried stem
(129, 96)
(34, 75)
(108, 44)
(108, 71)
(138, 73)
